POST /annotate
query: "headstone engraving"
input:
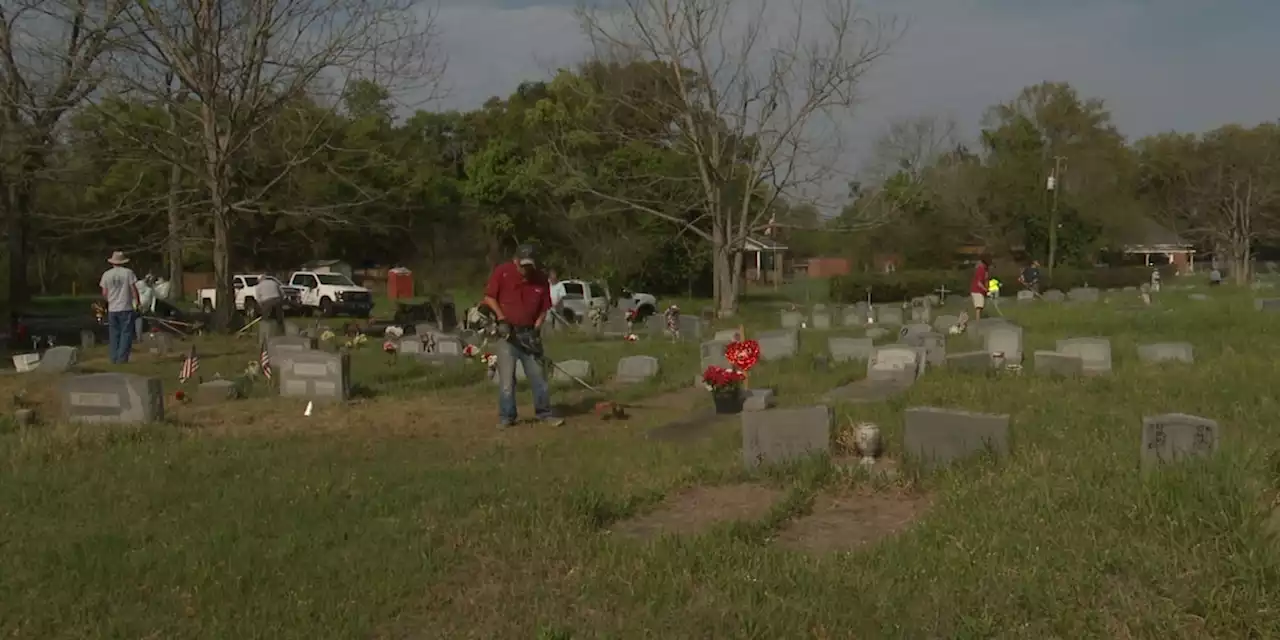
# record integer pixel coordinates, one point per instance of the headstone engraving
(117, 398)
(1177, 436)
(939, 436)
(783, 435)
(316, 375)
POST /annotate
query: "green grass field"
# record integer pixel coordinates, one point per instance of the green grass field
(407, 515)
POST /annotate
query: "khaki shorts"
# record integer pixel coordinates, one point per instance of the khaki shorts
(979, 300)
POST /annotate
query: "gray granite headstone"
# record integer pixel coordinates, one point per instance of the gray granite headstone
(58, 360)
(1053, 295)
(792, 319)
(759, 400)
(778, 345)
(291, 328)
(894, 363)
(1094, 353)
(1267, 304)
(1026, 295)
(117, 398)
(821, 318)
(726, 335)
(1058, 364)
(159, 343)
(1083, 294)
(939, 436)
(561, 372)
(316, 375)
(215, 391)
(88, 339)
(712, 353)
(1006, 339)
(974, 361)
(449, 345)
(889, 315)
(783, 435)
(1198, 297)
(857, 315)
(1167, 352)
(1177, 436)
(876, 333)
(849, 349)
(933, 344)
(633, 369)
(943, 323)
(282, 348)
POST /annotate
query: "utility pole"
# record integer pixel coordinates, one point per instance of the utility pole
(1053, 185)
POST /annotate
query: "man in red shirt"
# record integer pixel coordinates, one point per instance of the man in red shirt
(978, 287)
(520, 296)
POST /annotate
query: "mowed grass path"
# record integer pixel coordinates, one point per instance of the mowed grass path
(165, 532)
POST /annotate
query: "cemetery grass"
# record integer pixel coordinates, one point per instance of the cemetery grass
(406, 515)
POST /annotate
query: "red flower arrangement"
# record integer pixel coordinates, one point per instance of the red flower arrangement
(719, 379)
(180, 396)
(742, 354)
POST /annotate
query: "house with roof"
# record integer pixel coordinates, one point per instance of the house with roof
(1157, 246)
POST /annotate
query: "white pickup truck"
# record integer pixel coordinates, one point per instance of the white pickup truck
(243, 284)
(332, 293)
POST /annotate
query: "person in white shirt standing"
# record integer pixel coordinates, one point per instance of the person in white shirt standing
(270, 302)
(146, 304)
(119, 287)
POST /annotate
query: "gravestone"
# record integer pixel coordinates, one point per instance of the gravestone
(726, 335)
(291, 343)
(215, 391)
(159, 343)
(792, 319)
(116, 398)
(778, 345)
(1006, 339)
(979, 328)
(291, 328)
(849, 349)
(783, 435)
(759, 400)
(889, 316)
(921, 311)
(1167, 352)
(561, 372)
(1094, 353)
(58, 360)
(448, 345)
(876, 333)
(821, 318)
(425, 329)
(1053, 295)
(943, 323)
(713, 354)
(972, 361)
(633, 369)
(690, 327)
(316, 375)
(1198, 297)
(858, 315)
(913, 329)
(1058, 364)
(1267, 304)
(1083, 294)
(88, 339)
(413, 345)
(1026, 295)
(939, 436)
(894, 363)
(933, 344)
(1176, 436)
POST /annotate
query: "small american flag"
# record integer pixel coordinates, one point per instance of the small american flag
(190, 366)
(265, 361)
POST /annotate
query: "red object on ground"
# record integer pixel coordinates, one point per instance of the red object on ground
(399, 283)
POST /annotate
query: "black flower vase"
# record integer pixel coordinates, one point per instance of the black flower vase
(728, 401)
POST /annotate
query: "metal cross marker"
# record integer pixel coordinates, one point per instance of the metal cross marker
(942, 292)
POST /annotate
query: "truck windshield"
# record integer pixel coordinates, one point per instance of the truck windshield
(336, 279)
(251, 281)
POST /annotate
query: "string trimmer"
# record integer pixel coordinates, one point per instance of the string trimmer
(530, 343)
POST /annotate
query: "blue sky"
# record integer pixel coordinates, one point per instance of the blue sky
(1159, 64)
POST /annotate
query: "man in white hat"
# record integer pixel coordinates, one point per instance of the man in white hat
(119, 287)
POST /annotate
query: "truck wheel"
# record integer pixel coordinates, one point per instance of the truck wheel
(326, 307)
(250, 308)
(207, 305)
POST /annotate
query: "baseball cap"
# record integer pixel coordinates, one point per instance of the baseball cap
(526, 255)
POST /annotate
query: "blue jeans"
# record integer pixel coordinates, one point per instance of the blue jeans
(508, 355)
(120, 330)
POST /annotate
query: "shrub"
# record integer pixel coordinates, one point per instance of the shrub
(905, 285)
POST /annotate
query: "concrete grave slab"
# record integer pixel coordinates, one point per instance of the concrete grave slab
(314, 375)
(894, 363)
(778, 345)
(972, 361)
(1174, 437)
(632, 369)
(216, 391)
(1167, 352)
(783, 435)
(1058, 364)
(1094, 353)
(940, 436)
(844, 349)
(112, 398)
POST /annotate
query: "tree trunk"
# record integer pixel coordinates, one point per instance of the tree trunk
(226, 300)
(1240, 261)
(18, 227)
(174, 241)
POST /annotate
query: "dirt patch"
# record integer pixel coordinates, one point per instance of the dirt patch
(698, 509)
(851, 521)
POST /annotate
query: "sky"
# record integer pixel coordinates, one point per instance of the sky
(1188, 65)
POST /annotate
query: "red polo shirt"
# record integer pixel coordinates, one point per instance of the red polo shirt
(979, 284)
(522, 301)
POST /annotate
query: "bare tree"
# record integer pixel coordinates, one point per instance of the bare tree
(240, 66)
(911, 146)
(53, 55)
(749, 88)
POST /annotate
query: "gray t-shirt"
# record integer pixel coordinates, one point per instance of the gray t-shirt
(267, 289)
(119, 283)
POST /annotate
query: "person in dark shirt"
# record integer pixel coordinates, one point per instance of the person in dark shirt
(519, 294)
(1030, 277)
